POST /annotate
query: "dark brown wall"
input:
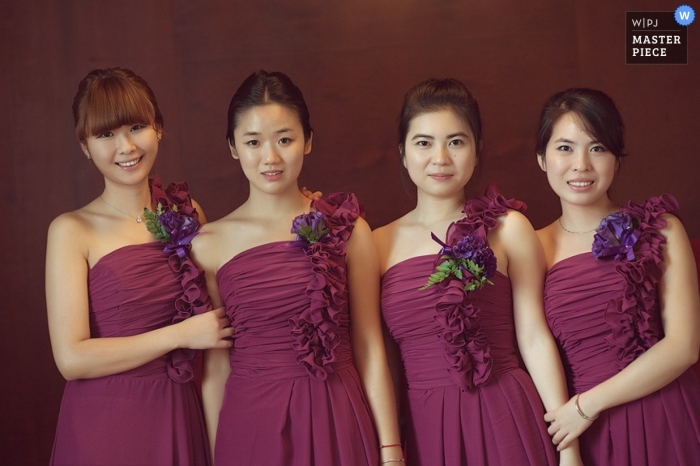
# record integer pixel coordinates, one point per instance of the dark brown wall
(354, 60)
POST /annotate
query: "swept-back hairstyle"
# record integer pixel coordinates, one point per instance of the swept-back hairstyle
(440, 94)
(262, 88)
(109, 98)
(596, 112)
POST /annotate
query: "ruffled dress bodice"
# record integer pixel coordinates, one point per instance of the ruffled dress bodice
(315, 323)
(265, 308)
(150, 414)
(462, 340)
(468, 400)
(293, 385)
(605, 313)
(133, 290)
(481, 343)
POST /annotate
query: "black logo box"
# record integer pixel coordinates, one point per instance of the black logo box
(654, 37)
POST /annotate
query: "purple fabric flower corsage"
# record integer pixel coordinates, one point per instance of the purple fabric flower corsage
(310, 228)
(173, 228)
(471, 260)
(615, 237)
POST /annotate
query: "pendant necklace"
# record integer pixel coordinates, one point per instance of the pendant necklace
(138, 218)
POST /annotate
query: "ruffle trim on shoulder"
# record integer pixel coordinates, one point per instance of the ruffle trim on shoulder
(194, 298)
(467, 351)
(316, 328)
(634, 318)
(481, 214)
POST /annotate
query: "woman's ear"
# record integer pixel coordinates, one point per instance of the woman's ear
(479, 150)
(403, 155)
(232, 148)
(541, 162)
(308, 143)
(85, 150)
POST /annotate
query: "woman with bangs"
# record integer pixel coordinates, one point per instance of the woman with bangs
(120, 303)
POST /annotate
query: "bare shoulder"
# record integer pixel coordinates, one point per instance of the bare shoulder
(546, 234)
(677, 241)
(361, 241)
(67, 223)
(218, 241)
(209, 239)
(72, 229)
(386, 235)
(362, 227)
(514, 222)
(71, 241)
(200, 211)
(513, 232)
(674, 227)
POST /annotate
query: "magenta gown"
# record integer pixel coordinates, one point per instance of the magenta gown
(150, 415)
(469, 401)
(294, 396)
(604, 314)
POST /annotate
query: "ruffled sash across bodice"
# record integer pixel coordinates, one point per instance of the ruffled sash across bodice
(472, 344)
(605, 313)
(296, 322)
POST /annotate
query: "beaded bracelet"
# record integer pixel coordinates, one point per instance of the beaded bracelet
(580, 412)
(393, 460)
(390, 445)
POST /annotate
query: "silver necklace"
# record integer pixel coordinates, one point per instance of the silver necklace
(575, 232)
(138, 218)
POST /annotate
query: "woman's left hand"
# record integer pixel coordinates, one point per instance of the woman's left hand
(566, 424)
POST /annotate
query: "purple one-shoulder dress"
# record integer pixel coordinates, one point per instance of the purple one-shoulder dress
(150, 415)
(294, 395)
(604, 314)
(469, 401)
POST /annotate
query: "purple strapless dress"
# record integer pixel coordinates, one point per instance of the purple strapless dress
(150, 415)
(469, 401)
(604, 314)
(294, 395)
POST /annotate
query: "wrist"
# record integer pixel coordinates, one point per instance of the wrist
(391, 451)
(176, 337)
(587, 412)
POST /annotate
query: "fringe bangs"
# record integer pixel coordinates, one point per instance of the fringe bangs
(113, 103)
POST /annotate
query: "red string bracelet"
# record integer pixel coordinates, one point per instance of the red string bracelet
(390, 445)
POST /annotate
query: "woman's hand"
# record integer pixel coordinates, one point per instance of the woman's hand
(205, 331)
(311, 195)
(566, 423)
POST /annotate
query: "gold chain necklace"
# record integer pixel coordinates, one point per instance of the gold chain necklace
(575, 232)
(138, 218)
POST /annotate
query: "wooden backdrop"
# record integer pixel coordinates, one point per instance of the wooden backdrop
(354, 59)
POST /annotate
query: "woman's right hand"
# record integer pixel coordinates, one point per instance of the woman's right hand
(205, 331)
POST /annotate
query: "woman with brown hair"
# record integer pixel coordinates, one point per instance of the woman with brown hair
(120, 303)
